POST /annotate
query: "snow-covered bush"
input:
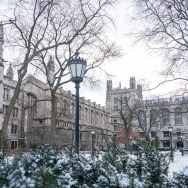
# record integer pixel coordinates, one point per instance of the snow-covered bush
(52, 169)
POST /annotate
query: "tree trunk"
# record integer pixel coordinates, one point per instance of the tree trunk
(127, 138)
(11, 105)
(53, 118)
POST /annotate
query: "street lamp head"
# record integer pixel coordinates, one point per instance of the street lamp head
(77, 67)
(130, 136)
(186, 138)
(170, 129)
(181, 136)
(92, 131)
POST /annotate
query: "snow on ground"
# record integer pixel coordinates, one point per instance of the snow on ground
(179, 162)
(176, 166)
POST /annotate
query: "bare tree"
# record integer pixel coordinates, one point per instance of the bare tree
(127, 111)
(149, 115)
(41, 28)
(162, 26)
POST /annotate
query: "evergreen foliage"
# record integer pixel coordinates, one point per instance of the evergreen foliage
(112, 168)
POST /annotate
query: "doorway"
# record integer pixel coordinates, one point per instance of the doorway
(179, 145)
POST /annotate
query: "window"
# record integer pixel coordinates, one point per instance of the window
(80, 136)
(17, 100)
(86, 110)
(125, 108)
(5, 94)
(14, 144)
(166, 144)
(115, 101)
(5, 108)
(153, 115)
(80, 112)
(32, 105)
(115, 120)
(15, 112)
(115, 107)
(165, 117)
(142, 135)
(178, 117)
(91, 115)
(142, 119)
(115, 127)
(13, 129)
(152, 134)
(166, 133)
(165, 121)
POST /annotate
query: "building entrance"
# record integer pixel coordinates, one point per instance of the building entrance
(179, 145)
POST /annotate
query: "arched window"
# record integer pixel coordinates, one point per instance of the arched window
(141, 118)
(86, 114)
(178, 116)
(32, 105)
(13, 129)
(97, 117)
(91, 116)
(165, 117)
(80, 112)
(153, 116)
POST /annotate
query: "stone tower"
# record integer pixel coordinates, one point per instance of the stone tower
(51, 69)
(10, 72)
(108, 89)
(132, 83)
(1, 74)
(108, 93)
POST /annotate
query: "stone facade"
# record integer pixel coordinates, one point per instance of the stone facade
(179, 121)
(33, 124)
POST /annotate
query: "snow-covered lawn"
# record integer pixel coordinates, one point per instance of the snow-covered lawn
(179, 162)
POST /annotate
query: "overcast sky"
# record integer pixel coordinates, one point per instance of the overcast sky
(136, 62)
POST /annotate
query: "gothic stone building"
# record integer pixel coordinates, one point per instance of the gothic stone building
(171, 117)
(33, 124)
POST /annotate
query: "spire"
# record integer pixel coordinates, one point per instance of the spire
(50, 64)
(50, 69)
(120, 85)
(10, 72)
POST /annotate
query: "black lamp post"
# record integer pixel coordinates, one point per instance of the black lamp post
(170, 130)
(181, 136)
(92, 133)
(130, 144)
(77, 67)
(186, 141)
